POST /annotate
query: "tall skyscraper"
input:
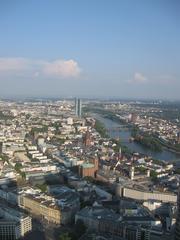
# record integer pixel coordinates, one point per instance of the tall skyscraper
(177, 230)
(78, 107)
(178, 137)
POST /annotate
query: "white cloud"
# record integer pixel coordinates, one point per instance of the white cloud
(139, 78)
(62, 68)
(59, 68)
(12, 64)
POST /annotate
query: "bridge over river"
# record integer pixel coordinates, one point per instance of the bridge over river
(123, 132)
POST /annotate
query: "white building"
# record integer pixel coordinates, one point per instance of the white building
(24, 222)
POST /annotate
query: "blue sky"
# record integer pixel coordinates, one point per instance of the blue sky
(90, 48)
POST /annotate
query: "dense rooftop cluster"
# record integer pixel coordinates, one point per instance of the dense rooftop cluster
(60, 167)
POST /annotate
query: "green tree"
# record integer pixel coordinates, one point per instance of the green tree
(18, 167)
(141, 169)
(42, 187)
(153, 175)
(28, 116)
(177, 171)
(23, 175)
(65, 236)
(99, 126)
(89, 179)
(4, 158)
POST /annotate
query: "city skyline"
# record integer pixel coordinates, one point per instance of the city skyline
(123, 49)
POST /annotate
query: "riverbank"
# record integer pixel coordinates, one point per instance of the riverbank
(125, 134)
(154, 141)
(146, 140)
(100, 128)
(170, 148)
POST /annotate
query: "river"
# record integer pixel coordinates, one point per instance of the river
(124, 134)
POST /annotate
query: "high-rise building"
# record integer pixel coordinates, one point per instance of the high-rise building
(22, 222)
(78, 107)
(8, 230)
(178, 137)
(177, 229)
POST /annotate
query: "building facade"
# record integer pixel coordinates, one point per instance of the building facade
(177, 229)
(23, 221)
(143, 195)
(78, 107)
(44, 209)
(106, 221)
(8, 230)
